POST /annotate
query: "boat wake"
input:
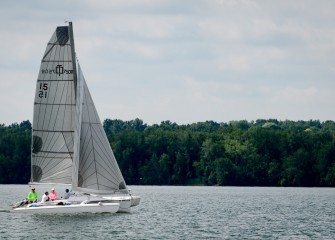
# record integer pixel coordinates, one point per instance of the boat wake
(4, 210)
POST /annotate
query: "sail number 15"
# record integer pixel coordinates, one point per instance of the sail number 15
(43, 90)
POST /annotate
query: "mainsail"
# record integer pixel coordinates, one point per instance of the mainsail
(54, 108)
(69, 142)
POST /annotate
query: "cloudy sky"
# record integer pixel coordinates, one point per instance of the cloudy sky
(184, 61)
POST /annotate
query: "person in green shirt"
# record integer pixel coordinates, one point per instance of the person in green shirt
(32, 196)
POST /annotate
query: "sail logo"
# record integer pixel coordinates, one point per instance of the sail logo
(59, 69)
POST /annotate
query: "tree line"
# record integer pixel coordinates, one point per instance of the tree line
(265, 152)
(15, 143)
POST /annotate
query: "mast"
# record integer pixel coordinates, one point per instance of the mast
(73, 53)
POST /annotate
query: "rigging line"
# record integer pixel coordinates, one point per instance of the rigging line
(54, 80)
(45, 157)
(50, 155)
(53, 131)
(61, 104)
(55, 61)
(59, 44)
(57, 152)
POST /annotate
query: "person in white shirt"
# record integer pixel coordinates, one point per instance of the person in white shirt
(45, 197)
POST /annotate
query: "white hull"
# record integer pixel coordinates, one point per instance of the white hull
(135, 200)
(126, 202)
(73, 208)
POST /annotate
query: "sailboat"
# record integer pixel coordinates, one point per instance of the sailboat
(69, 145)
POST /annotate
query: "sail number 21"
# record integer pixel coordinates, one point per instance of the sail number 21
(43, 90)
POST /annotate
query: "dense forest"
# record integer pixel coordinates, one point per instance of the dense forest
(238, 153)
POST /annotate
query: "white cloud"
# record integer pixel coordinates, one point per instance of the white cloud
(215, 28)
(234, 63)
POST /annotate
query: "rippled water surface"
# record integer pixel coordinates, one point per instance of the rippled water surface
(185, 213)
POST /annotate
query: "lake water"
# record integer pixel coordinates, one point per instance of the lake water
(185, 213)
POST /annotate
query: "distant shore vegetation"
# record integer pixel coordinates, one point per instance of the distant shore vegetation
(265, 152)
